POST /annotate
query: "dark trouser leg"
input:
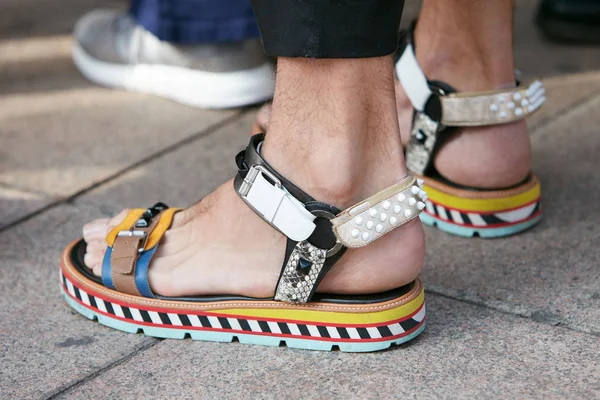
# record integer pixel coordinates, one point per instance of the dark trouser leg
(328, 28)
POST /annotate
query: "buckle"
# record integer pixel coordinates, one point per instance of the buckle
(135, 233)
(251, 177)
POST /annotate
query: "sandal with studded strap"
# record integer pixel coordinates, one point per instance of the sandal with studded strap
(438, 111)
(317, 234)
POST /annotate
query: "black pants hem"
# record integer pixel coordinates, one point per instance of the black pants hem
(328, 28)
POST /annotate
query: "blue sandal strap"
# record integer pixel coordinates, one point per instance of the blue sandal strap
(141, 272)
(106, 269)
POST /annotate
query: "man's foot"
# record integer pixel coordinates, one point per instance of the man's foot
(474, 58)
(112, 50)
(220, 246)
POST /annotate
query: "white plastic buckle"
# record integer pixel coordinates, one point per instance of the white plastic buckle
(251, 177)
(263, 192)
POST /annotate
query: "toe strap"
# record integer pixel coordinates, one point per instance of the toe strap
(131, 246)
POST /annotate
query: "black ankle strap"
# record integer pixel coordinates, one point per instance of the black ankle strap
(266, 191)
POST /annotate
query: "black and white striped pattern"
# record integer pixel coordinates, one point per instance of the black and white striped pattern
(480, 219)
(244, 325)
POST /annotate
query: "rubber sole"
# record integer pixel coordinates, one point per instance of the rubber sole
(488, 233)
(316, 326)
(483, 213)
(188, 86)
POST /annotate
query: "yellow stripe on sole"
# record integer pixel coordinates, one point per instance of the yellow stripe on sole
(481, 204)
(349, 317)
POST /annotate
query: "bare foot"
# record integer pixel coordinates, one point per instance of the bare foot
(477, 57)
(219, 246)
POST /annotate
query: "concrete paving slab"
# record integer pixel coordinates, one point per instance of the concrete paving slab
(180, 178)
(44, 346)
(466, 352)
(563, 93)
(550, 273)
(83, 136)
(15, 204)
(38, 65)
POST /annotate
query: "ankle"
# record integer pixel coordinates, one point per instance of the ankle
(487, 157)
(472, 59)
(333, 128)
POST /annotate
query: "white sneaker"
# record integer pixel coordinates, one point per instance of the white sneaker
(111, 50)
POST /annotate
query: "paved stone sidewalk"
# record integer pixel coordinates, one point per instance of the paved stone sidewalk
(509, 318)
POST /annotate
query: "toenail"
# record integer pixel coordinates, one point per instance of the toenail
(91, 228)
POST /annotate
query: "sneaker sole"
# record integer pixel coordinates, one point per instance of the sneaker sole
(188, 86)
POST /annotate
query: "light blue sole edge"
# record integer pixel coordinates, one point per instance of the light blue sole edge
(166, 333)
(487, 233)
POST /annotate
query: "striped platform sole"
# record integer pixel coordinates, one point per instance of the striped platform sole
(486, 214)
(377, 330)
(471, 231)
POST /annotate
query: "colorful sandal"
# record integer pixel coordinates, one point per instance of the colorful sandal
(318, 235)
(438, 112)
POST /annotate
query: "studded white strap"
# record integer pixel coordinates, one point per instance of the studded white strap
(412, 78)
(372, 218)
(491, 108)
(468, 109)
(276, 205)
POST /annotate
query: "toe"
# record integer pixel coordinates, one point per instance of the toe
(92, 259)
(96, 246)
(97, 269)
(94, 234)
(95, 230)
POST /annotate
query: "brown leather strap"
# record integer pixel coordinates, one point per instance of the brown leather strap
(125, 252)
